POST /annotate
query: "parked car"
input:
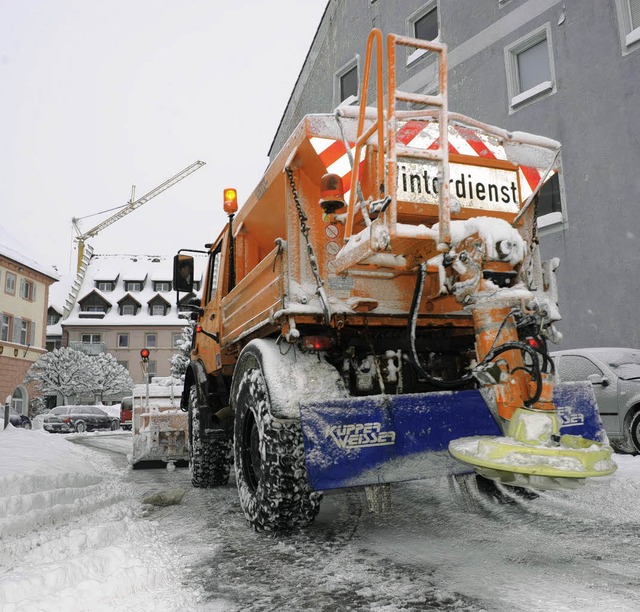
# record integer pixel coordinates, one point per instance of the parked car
(15, 418)
(66, 419)
(615, 376)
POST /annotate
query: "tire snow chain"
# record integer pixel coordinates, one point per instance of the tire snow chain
(304, 229)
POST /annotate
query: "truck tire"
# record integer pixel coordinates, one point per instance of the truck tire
(269, 458)
(210, 450)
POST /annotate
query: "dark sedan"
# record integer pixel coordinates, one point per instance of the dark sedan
(67, 419)
(16, 419)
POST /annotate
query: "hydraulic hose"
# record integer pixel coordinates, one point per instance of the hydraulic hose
(457, 383)
(439, 383)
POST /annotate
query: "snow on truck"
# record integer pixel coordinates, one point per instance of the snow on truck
(377, 311)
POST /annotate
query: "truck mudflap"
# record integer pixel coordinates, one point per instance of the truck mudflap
(391, 438)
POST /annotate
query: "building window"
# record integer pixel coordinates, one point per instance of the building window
(346, 84)
(106, 286)
(53, 318)
(128, 309)
(27, 290)
(91, 338)
(426, 26)
(550, 205)
(10, 283)
(162, 286)
(24, 332)
(158, 310)
(123, 340)
(124, 364)
(133, 286)
(5, 327)
(18, 400)
(94, 308)
(150, 340)
(151, 370)
(628, 24)
(422, 24)
(530, 70)
(175, 340)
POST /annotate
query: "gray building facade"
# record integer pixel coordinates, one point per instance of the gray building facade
(565, 69)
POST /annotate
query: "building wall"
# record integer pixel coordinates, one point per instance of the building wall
(15, 357)
(160, 354)
(591, 111)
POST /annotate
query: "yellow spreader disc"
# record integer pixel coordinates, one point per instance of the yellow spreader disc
(573, 457)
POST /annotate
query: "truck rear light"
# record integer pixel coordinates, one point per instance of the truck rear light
(331, 193)
(317, 343)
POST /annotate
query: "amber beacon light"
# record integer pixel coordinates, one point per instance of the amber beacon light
(230, 201)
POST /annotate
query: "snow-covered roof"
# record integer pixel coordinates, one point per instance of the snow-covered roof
(126, 268)
(14, 249)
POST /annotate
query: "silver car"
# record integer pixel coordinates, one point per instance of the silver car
(615, 376)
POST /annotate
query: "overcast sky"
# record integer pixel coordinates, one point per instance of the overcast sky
(100, 95)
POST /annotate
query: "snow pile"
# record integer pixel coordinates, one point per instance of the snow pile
(71, 533)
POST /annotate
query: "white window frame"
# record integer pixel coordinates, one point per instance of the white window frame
(415, 54)
(175, 338)
(155, 341)
(629, 36)
(27, 289)
(129, 314)
(161, 308)
(5, 327)
(352, 63)
(10, 282)
(520, 99)
(152, 370)
(133, 286)
(162, 286)
(106, 286)
(120, 345)
(555, 221)
(91, 338)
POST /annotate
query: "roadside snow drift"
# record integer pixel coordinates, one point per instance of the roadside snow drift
(71, 533)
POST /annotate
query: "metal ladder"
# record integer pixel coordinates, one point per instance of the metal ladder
(384, 127)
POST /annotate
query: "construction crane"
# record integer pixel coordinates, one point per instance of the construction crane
(127, 208)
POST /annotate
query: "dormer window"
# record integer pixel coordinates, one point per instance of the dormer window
(105, 285)
(133, 286)
(93, 306)
(53, 316)
(162, 286)
(158, 306)
(129, 306)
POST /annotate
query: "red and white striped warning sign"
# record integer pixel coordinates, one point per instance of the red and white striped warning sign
(425, 135)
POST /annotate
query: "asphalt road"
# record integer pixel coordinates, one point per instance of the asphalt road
(436, 549)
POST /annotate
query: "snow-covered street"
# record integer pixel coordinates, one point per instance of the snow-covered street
(75, 535)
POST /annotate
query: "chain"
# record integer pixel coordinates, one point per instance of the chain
(313, 261)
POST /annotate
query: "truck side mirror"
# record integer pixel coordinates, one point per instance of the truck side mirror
(183, 273)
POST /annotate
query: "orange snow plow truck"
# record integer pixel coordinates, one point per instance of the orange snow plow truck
(377, 311)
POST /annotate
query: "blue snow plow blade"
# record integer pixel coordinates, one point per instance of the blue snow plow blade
(391, 438)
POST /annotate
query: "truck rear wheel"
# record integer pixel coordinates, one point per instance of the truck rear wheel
(269, 458)
(210, 450)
